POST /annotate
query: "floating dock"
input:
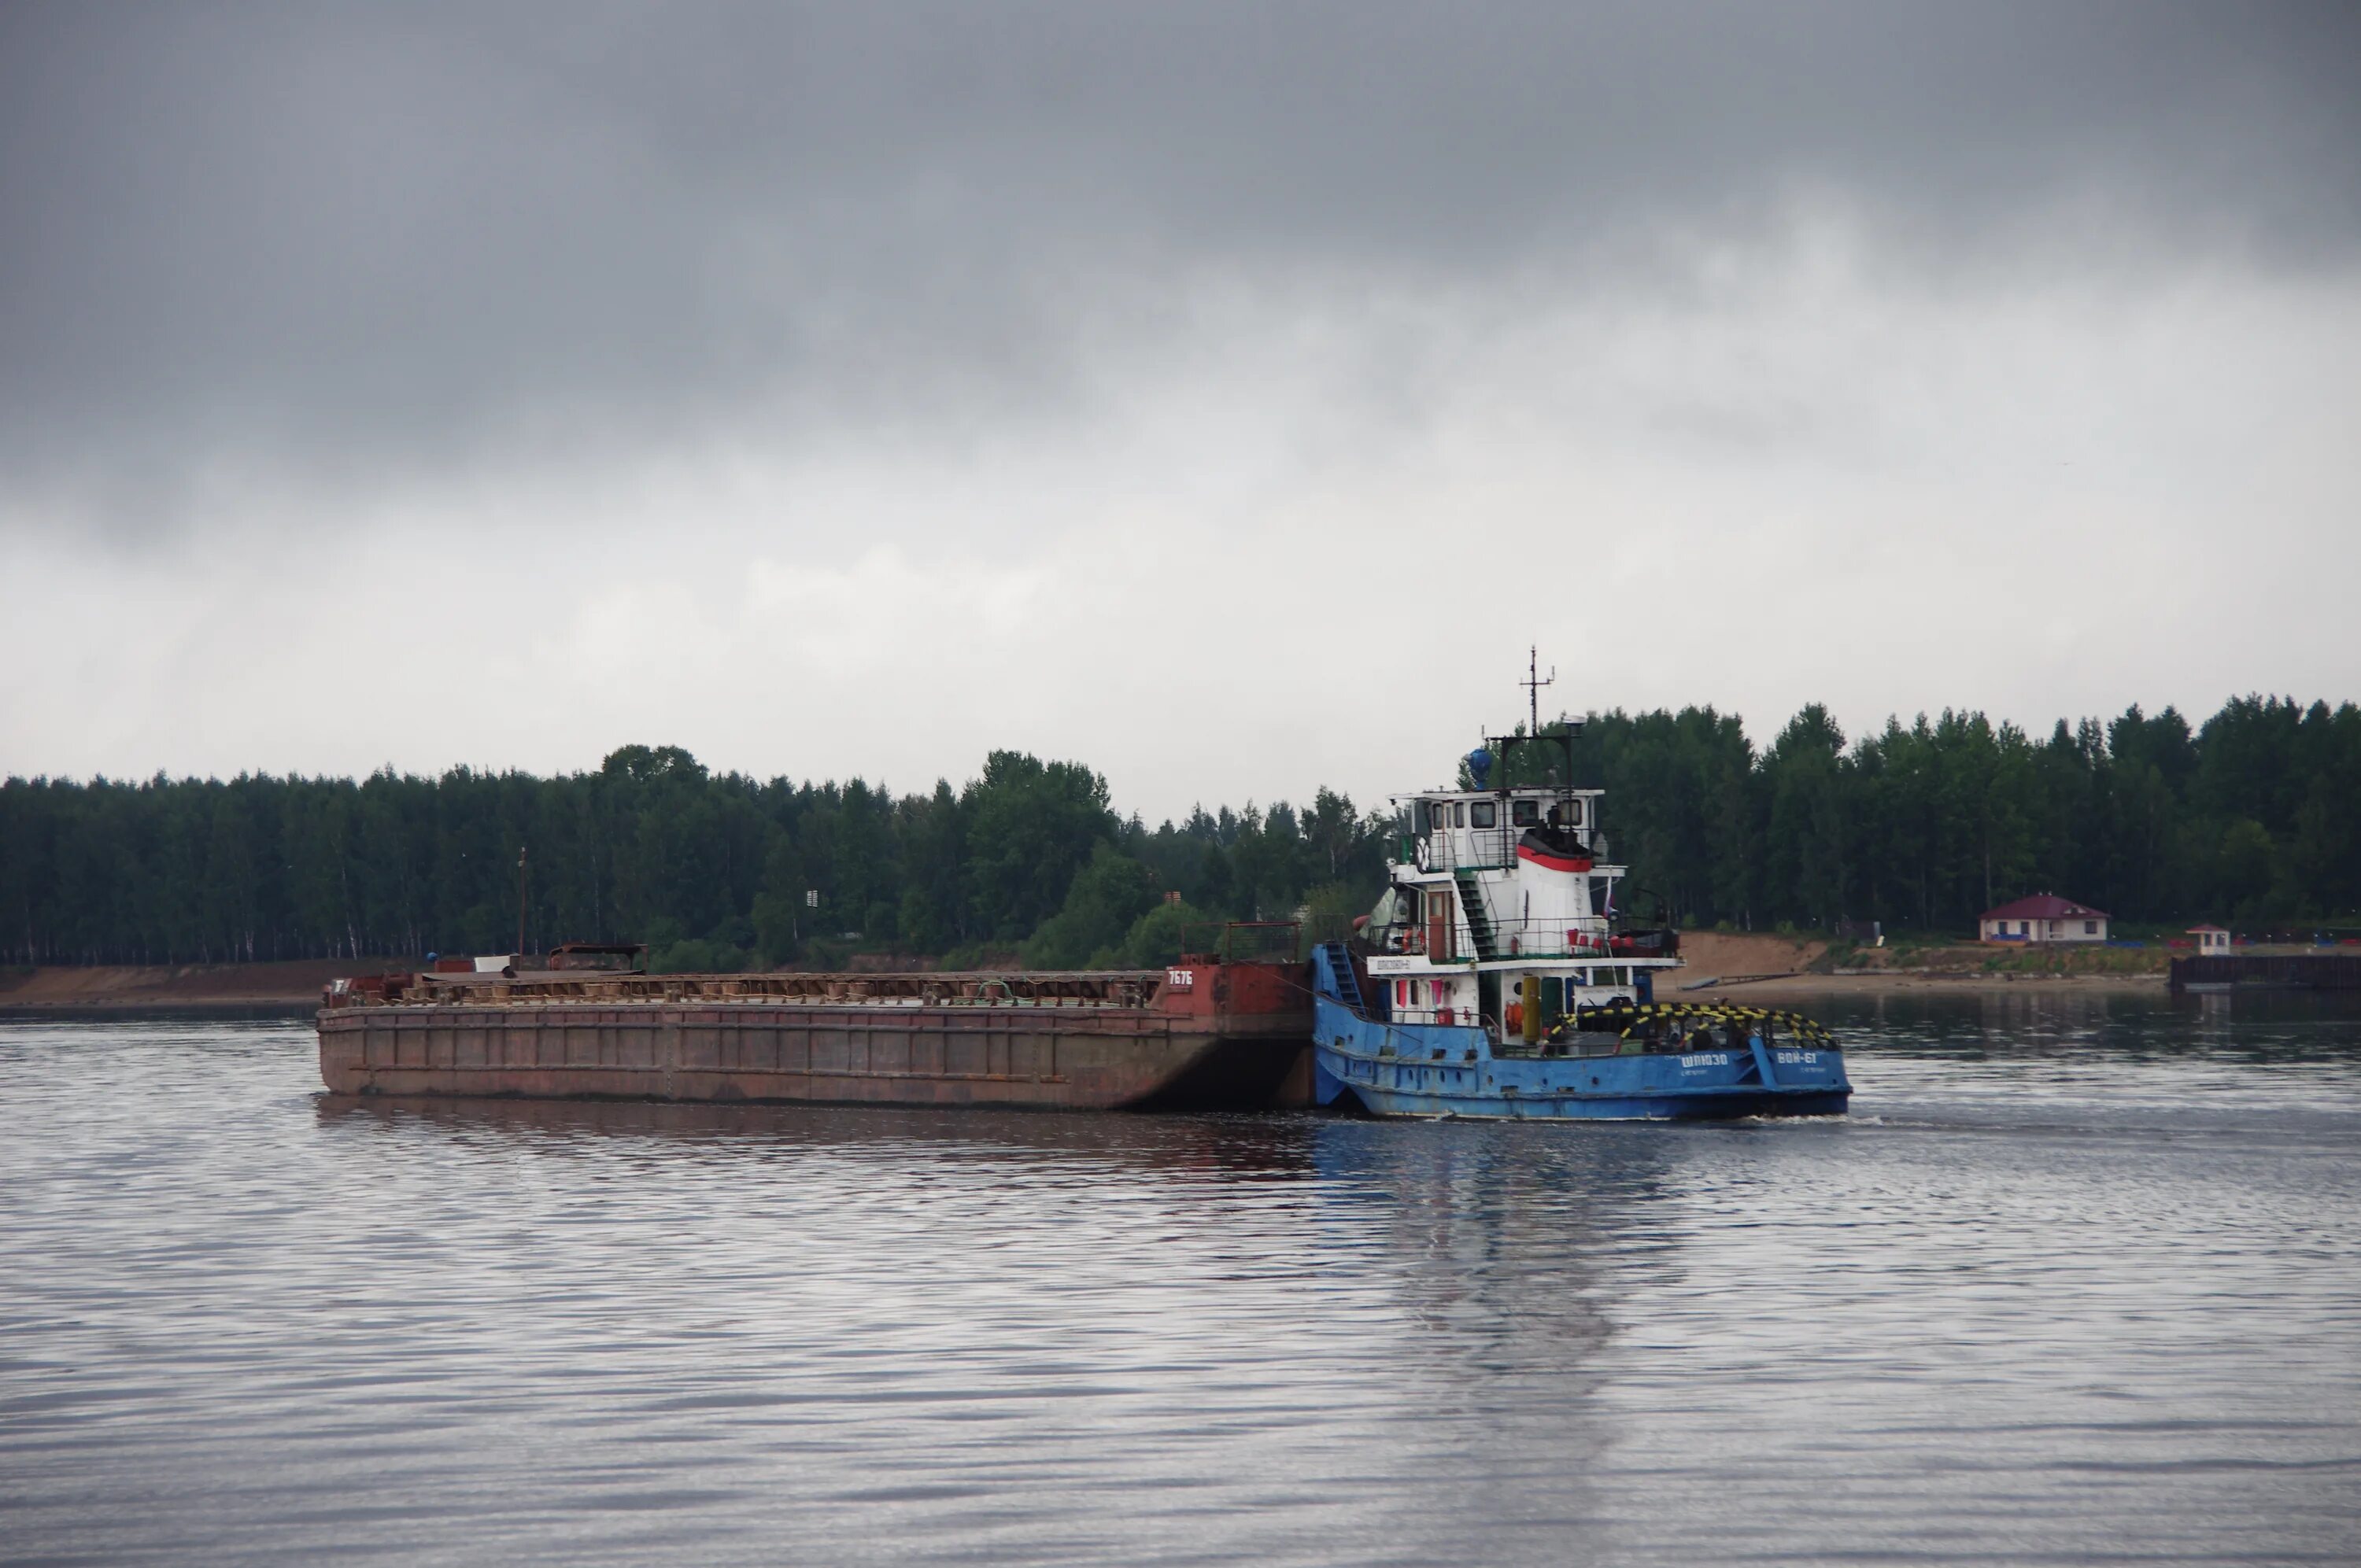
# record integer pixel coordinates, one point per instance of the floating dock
(2268, 971)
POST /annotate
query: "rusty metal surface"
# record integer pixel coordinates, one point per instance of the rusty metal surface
(1118, 988)
(1230, 1035)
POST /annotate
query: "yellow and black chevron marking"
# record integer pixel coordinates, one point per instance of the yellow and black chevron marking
(1627, 1019)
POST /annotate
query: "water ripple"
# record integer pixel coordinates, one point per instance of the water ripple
(2076, 1283)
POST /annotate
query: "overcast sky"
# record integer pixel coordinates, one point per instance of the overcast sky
(1222, 396)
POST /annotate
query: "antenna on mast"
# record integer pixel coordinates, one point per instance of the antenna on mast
(1533, 683)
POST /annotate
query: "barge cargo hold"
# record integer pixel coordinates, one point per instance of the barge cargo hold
(1200, 1034)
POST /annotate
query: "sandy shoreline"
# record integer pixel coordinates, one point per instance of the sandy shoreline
(108, 988)
(1916, 984)
(1730, 959)
(297, 985)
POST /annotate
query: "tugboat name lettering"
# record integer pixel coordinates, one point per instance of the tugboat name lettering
(1181, 979)
(1808, 1059)
(1706, 1059)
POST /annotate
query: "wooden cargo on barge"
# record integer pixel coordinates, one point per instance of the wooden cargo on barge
(1200, 1034)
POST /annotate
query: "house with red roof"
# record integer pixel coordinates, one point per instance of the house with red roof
(2044, 918)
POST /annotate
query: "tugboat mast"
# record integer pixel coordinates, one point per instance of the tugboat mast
(1533, 683)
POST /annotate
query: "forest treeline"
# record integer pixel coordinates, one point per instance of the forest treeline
(712, 869)
(2250, 818)
(2247, 817)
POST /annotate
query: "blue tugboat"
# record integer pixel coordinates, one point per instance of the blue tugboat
(1494, 980)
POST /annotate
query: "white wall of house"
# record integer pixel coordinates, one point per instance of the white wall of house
(2075, 928)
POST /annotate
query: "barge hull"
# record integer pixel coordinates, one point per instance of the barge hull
(755, 1053)
(1203, 1033)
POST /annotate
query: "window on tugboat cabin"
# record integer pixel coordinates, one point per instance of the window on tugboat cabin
(1524, 813)
(1485, 814)
(1459, 814)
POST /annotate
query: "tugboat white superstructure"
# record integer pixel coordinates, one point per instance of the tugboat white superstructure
(1494, 978)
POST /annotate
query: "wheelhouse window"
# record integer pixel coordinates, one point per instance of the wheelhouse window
(1487, 813)
(1459, 814)
(1524, 813)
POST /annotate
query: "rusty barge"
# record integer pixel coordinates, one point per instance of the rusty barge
(1207, 1032)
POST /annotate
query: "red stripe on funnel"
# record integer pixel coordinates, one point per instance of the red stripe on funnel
(1551, 863)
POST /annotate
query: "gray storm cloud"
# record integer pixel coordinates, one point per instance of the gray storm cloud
(381, 238)
(856, 388)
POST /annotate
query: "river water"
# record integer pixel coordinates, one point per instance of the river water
(2080, 1280)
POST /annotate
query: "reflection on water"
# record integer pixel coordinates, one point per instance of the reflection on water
(2077, 1279)
(1237, 1146)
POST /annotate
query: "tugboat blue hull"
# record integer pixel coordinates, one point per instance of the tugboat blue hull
(1444, 1069)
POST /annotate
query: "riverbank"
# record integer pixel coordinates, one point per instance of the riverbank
(1758, 965)
(1910, 982)
(1718, 963)
(106, 988)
